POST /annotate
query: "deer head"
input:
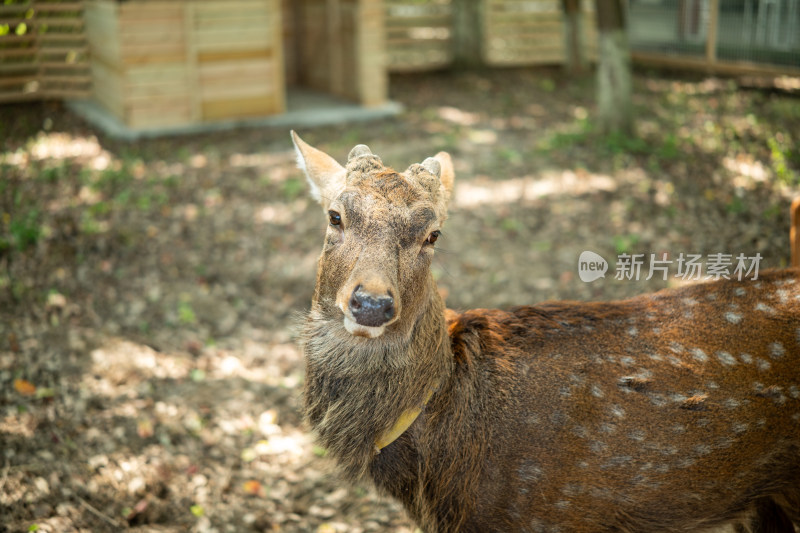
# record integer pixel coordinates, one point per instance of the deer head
(374, 271)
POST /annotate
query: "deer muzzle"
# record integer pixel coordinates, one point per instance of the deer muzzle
(368, 308)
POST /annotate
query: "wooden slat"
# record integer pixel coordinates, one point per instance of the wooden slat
(58, 7)
(235, 55)
(62, 65)
(234, 70)
(17, 67)
(157, 73)
(260, 21)
(17, 38)
(16, 80)
(239, 107)
(225, 90)
(54, 22)
(58, 37)
(77, 79)
(15, 8)
(53, 50)
(17, 52)
(233, 39)
(16, 96)
(66, 94)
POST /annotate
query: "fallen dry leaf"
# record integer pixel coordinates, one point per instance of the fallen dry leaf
(24, 387)
(254, 488)
(144, 427)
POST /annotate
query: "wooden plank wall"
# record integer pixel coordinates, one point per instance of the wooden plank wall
(43, 51)
(173, 63)
(524, 32)
(238, 48)
(341, 51)
(418, 35)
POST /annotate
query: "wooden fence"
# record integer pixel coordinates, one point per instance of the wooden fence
(419, 35)
(43, 51)
(531, 32)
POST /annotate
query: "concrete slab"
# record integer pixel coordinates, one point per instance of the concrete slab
(305, 108)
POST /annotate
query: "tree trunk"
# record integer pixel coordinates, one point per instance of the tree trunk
(573, 38)
(615, 111)
(467, 34)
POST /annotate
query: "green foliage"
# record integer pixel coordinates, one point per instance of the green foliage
(736, 206)
(624, 244)
(319, 451)
(186, 314)
(292, 188)
(21, 231)
(781, 154)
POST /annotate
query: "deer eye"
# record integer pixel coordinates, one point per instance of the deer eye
(334, 218)
(433, 236)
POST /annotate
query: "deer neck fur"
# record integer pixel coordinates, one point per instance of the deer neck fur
(357, 389)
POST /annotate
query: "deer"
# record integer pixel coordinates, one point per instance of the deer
(676, 411)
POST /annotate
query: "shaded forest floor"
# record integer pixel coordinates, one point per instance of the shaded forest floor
(149, 292)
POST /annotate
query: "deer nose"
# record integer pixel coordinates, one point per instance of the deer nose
(369, 310)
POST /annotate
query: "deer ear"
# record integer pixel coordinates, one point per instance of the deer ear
(325, 176)
(446, 173)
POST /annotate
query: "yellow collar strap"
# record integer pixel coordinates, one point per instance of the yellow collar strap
(403, 423)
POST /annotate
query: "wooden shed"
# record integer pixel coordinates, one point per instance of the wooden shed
(172, 63)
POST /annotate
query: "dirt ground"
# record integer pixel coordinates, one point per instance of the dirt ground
(150, 292)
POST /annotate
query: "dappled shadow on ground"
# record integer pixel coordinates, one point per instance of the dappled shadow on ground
(150, 292)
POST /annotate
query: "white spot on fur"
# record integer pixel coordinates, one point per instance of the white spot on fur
(725, 358)
(607, 428)
(632, 331)
(674, 360)
(618, 411)
(776, 350)
(783, 295)
(739, 291)
(731, 403)
(354, 328)
(702, 449)
(740, 427)
(746, 358)
(794, 392)
(763, 364)
(700, 355)
(760, 306)
(733, 318)
(637, 435)
(597, 392)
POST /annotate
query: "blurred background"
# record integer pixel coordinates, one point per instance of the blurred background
(158, 246)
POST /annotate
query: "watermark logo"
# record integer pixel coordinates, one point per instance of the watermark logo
(591, 266)
(690, 267)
